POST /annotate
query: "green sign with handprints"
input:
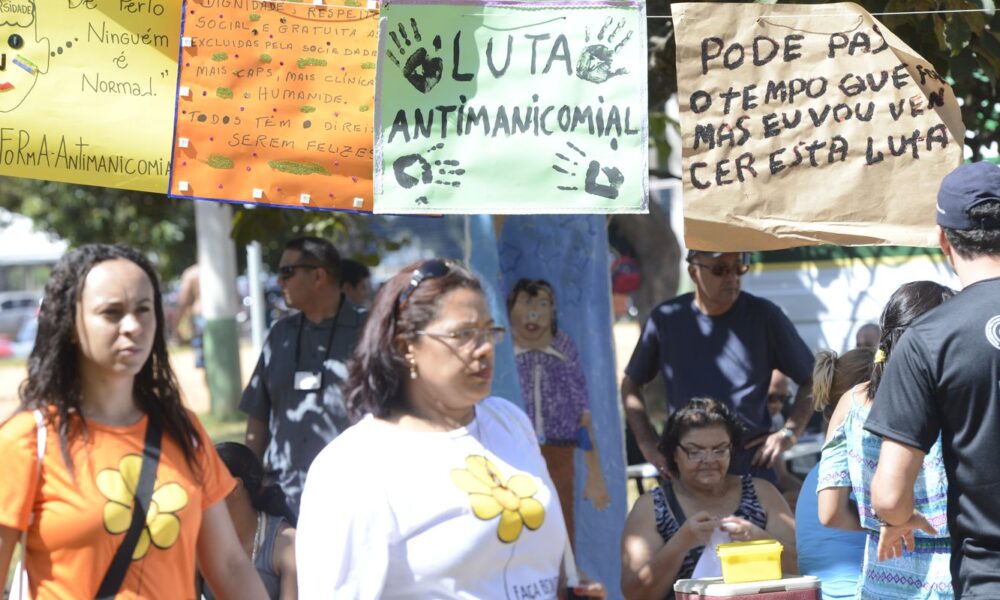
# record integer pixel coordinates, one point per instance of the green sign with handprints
(511, 108)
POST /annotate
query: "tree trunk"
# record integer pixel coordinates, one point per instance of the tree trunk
(658, 254)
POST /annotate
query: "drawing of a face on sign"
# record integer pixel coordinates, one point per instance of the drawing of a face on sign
(22, 55)
(532, 316)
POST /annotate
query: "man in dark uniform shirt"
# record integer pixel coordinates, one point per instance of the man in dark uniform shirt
(943, 380)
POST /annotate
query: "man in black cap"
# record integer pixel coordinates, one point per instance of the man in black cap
(944, 380)
(723, 343)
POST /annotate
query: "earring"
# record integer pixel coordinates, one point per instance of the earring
(413, 364)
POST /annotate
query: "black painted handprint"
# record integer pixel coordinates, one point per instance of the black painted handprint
(422, 69)
(613, 177)
(595, 61)
(415, 169)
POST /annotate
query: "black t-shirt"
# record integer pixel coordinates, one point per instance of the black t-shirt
(944, 378)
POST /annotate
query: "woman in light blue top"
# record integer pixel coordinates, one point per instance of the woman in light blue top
(848, 464)
(833, 555)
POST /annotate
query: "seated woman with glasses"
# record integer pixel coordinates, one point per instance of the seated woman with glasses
(440, 490)
(668, 528)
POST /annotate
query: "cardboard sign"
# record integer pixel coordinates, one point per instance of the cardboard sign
(275, 104)
(511, 107)
(87, 91)
(808, 124)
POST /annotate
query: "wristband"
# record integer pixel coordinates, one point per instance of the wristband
(789, 434)
(883, 522)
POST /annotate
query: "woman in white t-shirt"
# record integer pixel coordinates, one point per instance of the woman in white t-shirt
(439, 491)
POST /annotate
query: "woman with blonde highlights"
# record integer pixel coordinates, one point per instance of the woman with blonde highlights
(848, 465)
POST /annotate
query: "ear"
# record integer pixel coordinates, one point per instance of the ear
(402, 345)
(943, 242)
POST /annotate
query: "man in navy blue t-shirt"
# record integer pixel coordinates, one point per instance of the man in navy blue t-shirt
(722, 343)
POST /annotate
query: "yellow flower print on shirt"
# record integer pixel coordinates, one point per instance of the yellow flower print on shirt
(490, 497)
(119, 487)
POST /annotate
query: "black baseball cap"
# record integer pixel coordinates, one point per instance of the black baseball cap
(963, 189)
(692, 254)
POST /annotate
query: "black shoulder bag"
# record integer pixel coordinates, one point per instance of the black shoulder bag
(144, 494)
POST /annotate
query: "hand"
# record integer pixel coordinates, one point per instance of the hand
(595, 489)
(893, 539)
(740, 530)
(698, 528)
(770, 449)
(590, 589)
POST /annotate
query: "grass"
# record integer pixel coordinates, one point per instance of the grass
(224, 430)
(13, 362)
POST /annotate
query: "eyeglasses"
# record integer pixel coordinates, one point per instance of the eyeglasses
(286, 271)
(472, 337)
(427, 270)
(705, 454)
(723, 270)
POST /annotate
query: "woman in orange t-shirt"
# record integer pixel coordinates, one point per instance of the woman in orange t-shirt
(99, 373)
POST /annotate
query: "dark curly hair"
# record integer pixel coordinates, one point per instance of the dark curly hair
(374, 381)
(699, 413)
(54, 384)
(264, 496)
(905, 306)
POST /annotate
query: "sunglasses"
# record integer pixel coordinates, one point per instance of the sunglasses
(286, 271)
(723, 270)
(427, 270)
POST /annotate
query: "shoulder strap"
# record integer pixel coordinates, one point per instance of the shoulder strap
(20, 583)
(675, 505)
(40, 438)
(144, 493)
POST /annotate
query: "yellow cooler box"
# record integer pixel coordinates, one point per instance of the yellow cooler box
(758, 560)
(713, 588)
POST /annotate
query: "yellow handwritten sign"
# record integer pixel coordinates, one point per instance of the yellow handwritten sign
(87, 90)
(275, 104)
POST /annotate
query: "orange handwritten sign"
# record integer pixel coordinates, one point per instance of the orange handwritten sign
(275, 104)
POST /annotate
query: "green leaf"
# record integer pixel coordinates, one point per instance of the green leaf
(976, 22)
(957, 34)
(939, 31)
(962, 66)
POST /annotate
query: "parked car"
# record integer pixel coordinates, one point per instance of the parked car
(16, 308)
(24, 341)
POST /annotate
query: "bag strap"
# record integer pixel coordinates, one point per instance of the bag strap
(694, 554)
(41, 435)
(147, 477)
(675, 506)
